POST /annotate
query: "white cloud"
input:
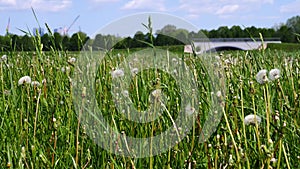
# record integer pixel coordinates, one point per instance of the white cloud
(292, 7)
(45, 5)
(157, 5)
(104, 1)
(227, 9)
(7, 2)
(221, 8)
(259, 1)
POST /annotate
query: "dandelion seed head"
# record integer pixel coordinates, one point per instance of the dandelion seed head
(125, 93)
(134, 71)
(3, 58)
(117, 73)
(63, 69)
(189, 110)
(219, 94)
(156, 93)
(274, 74)
(273, 160)
(24, 80)
(175, 61)
(35, 83)
(72, 60)
(284, 124)
(261, 76)
(270, 141)
(252, 119)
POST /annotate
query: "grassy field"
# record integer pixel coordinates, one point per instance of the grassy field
(41, 129)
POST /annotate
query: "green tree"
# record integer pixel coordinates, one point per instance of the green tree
(58, 41)
(99, 42)
(294, 24)
(237, 32)
(285, 33)
(27, 43)
(77, 41)
(46, 41)
(65, 43)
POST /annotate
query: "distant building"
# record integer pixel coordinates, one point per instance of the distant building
(40, 30)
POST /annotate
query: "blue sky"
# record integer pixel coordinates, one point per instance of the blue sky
(95, 14)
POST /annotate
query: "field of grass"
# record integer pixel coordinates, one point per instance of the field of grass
(40, 128)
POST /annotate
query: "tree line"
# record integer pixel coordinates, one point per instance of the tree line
(169, 35)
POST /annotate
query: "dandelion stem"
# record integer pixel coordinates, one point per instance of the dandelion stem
(234, 143)
(279, 156)
(244, 130)
(256, 126)
(36, 115)
(286, 158)
(267, 103)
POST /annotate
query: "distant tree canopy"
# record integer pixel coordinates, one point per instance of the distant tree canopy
(168, 35)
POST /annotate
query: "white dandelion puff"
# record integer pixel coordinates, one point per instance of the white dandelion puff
(125, 93)
(24, 80)
(72, 60)
(274, 74)
(175, 61)
(219, 94)
(63, 69)
(273, 160)
(156, 93)
(252, 119)
(117, 73)
(261, 76)
(189, 110)
(3, 58)
(134, 71)
(35, 83)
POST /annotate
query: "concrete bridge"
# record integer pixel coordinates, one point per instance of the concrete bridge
(220, 44)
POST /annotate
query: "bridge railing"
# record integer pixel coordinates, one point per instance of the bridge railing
(234, 39)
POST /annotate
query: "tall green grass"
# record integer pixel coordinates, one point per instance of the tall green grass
(40, 128)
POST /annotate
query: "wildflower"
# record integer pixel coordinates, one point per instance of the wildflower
(252, 119)
(72, 60)
(63, 69)
(175, 61)
(117, 73)
(261, 76)
(274, 74)
(35, 83)
(3, 58)
(24, 79)
(134, 71)
(125, 93)
(227, 61)
(217, 57)
(189, 110)
(219, 94)
(156, 93)
(273, 160)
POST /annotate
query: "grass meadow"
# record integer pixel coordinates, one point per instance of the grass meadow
(39, 126)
